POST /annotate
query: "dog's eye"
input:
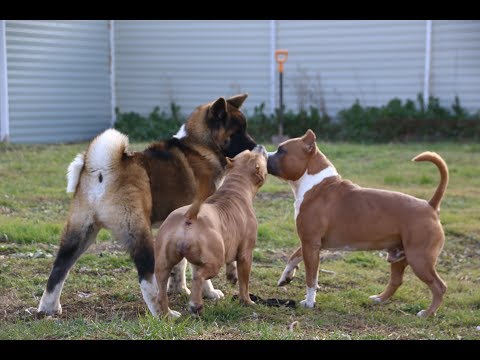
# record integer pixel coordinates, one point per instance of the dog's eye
(280, 150)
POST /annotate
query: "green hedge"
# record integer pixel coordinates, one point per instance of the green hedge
(396, 121)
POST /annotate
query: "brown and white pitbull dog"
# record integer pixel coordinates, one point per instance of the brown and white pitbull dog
(332, 213)
(221, 230)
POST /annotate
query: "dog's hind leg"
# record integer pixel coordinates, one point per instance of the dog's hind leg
(199, 275)
(133, 232)
(424, 268)
(244, 268)
(291, 267)
(78, 235)
(311, 258)
(396, 278)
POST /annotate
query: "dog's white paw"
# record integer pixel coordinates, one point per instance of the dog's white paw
(214, 294)
(306, 304)
(53, 309)
(50, 304)
(173, 314)
(375, 299)
(422, 313)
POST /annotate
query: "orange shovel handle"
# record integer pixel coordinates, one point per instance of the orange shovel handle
(281, 56)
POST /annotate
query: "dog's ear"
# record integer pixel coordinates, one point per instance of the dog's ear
(259, 176)
(237, 100)
(229, 162)
(218, 110)
(309, 140)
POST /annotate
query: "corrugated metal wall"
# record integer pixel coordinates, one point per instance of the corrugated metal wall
(59, 71)
(341, 61)
(190, 62)
(456, 62)
(59, 79)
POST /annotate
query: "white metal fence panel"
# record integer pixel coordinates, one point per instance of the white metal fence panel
(456, 62)
(341, 61)
(190, 63)
(59, 80)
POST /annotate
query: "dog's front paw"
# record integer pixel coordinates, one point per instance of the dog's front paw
(306, 304)
(423, 314)
(214, 294)
(195, 309)
(248, 302)
(375, 299)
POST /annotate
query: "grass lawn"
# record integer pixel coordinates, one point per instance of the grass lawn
(102, 299)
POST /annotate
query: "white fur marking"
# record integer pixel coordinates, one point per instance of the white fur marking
(309, 302)
(181, 133)
(149, 292)
(422, 313)
(73, 172)
(307, 182)
(376, 299)
(50, 302)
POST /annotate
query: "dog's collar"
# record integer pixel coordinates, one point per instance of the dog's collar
(307, 182)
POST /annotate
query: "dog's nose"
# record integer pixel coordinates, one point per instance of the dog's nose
(261, 149)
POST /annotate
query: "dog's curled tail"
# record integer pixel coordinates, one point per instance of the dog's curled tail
(73, 172)
(442, 167)
(103, 155)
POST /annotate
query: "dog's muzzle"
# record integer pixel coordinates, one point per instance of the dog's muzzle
(261, 149)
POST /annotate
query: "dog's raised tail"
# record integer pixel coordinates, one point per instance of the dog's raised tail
(73, 172)
(205, 188)
(443, 168)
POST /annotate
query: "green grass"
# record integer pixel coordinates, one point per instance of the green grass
(102, 300)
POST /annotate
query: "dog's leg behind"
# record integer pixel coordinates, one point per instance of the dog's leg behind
(291, 267)
(79, 233)
(396, 278)
(231, 271)
(177, 283)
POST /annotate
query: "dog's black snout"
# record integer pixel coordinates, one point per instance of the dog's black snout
(271, 165)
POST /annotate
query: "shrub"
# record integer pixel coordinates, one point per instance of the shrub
(396, 121)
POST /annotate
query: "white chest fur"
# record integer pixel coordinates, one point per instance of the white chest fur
(306, 182)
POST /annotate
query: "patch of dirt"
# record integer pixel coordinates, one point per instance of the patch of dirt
(105, 246)
(4, 210)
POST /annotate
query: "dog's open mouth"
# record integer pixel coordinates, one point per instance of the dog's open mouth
(270, 302)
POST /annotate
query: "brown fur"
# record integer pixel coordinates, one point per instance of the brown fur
(337, 214)
(224, 231)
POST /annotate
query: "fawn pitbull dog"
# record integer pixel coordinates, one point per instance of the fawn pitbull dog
(332, 213)
(221, 230)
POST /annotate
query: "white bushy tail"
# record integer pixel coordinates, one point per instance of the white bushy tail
(103, 155)
(73, 172)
